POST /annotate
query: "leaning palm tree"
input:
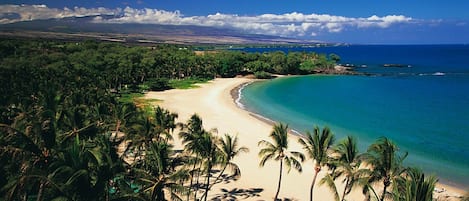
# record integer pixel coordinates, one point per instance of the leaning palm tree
(317, 146)
(386, 165)
(278, 150)
(229, 148)
(414, 186)
(347, 160)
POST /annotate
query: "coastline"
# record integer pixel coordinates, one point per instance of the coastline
(215, 103)
(236, 96)
(442, 189)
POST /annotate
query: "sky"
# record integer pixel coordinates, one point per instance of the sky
(346, 21)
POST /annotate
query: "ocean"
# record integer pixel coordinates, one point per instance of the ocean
(423, 107)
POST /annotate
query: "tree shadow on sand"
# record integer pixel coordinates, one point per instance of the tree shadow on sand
(287, 199)
(227, 178)
(237, 194)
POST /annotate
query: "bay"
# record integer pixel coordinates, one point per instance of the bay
(423, 107)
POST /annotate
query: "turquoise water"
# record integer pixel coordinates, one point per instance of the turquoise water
(426, 114)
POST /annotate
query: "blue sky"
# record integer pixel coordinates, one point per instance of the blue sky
(357, 21)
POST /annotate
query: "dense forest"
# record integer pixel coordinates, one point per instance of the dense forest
(112, 65)
(67, 134)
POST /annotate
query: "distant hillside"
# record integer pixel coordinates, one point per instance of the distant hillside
(83, 27)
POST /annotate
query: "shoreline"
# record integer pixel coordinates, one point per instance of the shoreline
(236, 96)
(440, 188)
(216, 102)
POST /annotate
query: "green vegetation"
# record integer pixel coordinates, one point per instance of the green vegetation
(204, 152)
(383, 164)
(262, 75)
(347, 164)
(278, 150)
(130, 97)
(186, 83)
(317, 146)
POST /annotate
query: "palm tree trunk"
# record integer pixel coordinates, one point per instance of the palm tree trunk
(41, 190)
(192, 178)
(279, 180)
(107, 191)
(384, 190)
(345, 189)
(197, 183)
(209, 168)
(368, 194)
(218, 177)
(191, 182)
(118, 124)
(316, 171)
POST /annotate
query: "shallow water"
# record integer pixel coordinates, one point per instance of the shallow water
(426, 113)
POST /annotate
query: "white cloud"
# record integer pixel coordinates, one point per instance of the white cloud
(382, 22)
(288, 24)
(36, 12)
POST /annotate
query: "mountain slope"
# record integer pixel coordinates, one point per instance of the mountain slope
(76, 27)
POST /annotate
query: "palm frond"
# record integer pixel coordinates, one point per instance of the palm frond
(265, 157)
(329, 181)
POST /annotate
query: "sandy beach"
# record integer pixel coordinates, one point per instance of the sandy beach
(214, 103)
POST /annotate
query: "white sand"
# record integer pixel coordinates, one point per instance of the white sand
(213, 102)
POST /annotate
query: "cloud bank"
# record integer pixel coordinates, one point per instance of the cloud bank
(16, 13)
(289, 24)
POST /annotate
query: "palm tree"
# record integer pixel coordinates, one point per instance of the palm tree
(278, 150)
(210, 152)
(77, 121)
(84, 168)
(143, 130)
(165, 121)
(160, 172)
(191, 135)
(29, 143)
(347, 161)
(121, 116)
(141, 136)
(25, 152)
(317, 146)
(230, 149)
(386, 164)
(415, 186)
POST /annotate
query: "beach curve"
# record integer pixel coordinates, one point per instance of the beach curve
(214, 102)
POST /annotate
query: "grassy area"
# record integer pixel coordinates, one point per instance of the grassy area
(186, 83)
(130, 97)
(137, 98)
(146, 105)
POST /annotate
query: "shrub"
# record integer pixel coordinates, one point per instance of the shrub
(158, 84)
(262, 75)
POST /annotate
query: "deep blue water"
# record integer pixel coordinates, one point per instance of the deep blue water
(426, 114)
